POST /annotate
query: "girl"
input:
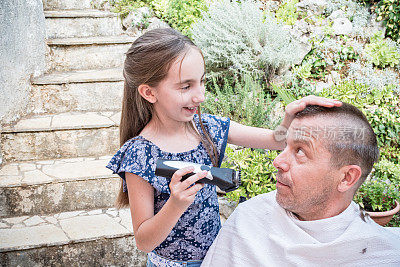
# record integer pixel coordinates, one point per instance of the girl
(175, 222)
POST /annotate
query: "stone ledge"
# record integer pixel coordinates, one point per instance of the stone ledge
(65, 121)
(63, 228)
(83, 76)
(88, 13)
(122, 39)
(119, 251)
(54, 171)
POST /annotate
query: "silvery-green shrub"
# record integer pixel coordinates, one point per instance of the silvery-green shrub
(238, 38)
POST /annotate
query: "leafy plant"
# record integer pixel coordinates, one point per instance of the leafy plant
(303, 71)
(284, 94)
(244, 101)
(377, 194)
(389, 12)
(372, 77)
(380, 53)
(287, 12)
(182, 14)
(318, 63)
(391, 153)
(387, 170)
(346, 53)
(380, 105)
(123, 7)
(239, 39)
(257, 171)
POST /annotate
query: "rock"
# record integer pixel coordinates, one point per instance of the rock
(304, 49)
(329, 80)
(315, 7)
(335, 76)
(320, 86)
(137, 20)
(270, 5)
(302, 26)
(156, 23)
(101, 5)
(226, 207)
(337, 14)
(342, 26)
(375, 25)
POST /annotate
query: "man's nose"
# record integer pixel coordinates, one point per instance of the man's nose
(281, 161)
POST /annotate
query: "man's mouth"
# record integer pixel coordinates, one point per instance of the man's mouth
(280, 181)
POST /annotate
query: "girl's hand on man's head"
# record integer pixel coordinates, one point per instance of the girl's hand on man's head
(297, 106)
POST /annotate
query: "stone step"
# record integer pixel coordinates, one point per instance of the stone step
(81, 23)
(85, 76)
(100, 237)
(64, 135)
(53, 186)
(70, 4)
(77, 91)
(87, 52)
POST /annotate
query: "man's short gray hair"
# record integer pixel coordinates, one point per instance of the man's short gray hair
(354, 149)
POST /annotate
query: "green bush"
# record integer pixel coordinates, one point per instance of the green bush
(389, 12)
(380, 105)
(380, 53)
(243, 101)
(287, 12)
(180, 15)
(377, 195)
(238, 39)
(387, 170)
(123, 7)
(257, 171)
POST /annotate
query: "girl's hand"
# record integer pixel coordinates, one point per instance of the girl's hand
(299, 105)
(184, 192)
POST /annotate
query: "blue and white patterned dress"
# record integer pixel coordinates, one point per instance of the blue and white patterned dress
(199, 225)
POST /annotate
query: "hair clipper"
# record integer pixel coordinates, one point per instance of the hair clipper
(226, 179)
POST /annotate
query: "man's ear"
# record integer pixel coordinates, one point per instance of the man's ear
(147, 93)
(350, 174)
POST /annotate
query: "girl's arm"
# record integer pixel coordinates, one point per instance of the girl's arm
(254, 137)
(151, 230)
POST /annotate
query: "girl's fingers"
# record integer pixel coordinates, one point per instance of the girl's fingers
(177, 176)
(193, 179)
(300, 104)
(194, 189)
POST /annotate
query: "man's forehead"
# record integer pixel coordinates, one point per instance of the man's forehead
(305, 129)
(324, 128)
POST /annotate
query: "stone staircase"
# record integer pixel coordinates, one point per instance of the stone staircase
(56, 196)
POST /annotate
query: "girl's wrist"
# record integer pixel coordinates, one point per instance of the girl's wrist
(280, 133)
(174, 206)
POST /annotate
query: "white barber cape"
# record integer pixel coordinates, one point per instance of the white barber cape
(261, 233)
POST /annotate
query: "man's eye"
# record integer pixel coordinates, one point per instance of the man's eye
(185, 87)
(300, 152)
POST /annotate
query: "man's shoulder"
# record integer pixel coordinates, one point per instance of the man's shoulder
(260, 202)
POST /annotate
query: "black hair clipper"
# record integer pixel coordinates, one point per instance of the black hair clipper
(226, 179)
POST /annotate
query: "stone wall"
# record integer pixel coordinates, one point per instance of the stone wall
(22, 54)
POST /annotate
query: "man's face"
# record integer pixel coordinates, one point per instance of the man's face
(306, 180)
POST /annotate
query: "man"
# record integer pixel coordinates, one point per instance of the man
(310, 220)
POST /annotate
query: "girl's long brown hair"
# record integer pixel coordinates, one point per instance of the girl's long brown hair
(147, 62)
